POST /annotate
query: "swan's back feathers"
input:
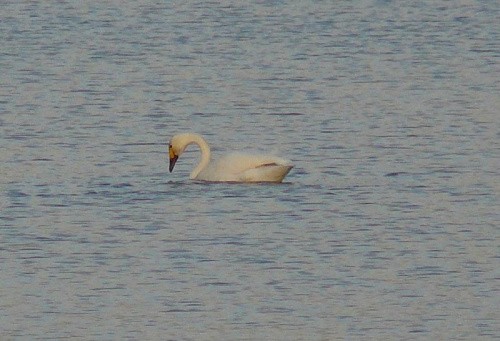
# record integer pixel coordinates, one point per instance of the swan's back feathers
(268, 173)
(246, 168)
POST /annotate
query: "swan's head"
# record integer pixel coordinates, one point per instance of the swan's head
(173, 157)
(177, 145)
(174, 151)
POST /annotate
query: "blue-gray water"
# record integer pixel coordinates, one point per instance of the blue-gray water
(387, 227)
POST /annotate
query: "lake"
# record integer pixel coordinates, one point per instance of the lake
(386, 228)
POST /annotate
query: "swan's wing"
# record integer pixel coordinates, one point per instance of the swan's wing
(266, 173)
(245, 167)
(239, 162)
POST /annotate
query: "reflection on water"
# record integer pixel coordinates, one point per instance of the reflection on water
(386, 227)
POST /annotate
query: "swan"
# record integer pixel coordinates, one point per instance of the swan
(234, 167)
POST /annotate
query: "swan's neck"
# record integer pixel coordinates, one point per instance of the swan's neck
(205, 154)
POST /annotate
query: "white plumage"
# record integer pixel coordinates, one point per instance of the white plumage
(236, 167)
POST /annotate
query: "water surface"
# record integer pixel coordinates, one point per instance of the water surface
(387, 227)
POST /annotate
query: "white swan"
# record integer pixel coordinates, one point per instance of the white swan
(230, 168)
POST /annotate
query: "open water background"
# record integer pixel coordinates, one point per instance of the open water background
(387, 227)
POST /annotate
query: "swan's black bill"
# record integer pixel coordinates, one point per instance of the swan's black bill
(173, 158)
(172, 163)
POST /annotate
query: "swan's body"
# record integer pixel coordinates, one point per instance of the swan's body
(230, 168)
